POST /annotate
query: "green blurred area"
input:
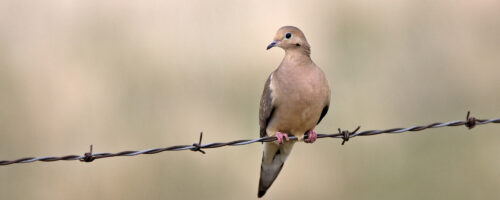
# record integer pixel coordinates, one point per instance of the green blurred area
(135, 75)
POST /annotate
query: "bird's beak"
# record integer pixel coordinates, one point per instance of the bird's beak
(273, 44)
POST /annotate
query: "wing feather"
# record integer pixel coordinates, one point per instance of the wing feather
(266, 108)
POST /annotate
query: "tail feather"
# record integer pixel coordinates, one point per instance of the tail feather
(273, 158)
(268, 173)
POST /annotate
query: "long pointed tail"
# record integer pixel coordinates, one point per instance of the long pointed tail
(273, 158)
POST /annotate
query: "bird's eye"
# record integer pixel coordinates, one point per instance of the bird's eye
(288, 35)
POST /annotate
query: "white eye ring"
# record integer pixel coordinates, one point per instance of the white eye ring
(288, 35)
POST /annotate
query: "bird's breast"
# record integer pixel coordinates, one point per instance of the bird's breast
(300, 101)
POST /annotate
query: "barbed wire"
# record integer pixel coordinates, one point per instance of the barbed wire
(345, 135)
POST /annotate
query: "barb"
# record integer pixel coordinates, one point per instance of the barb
(346, 134)
(197, 146)
(470, 123)
(88, 157)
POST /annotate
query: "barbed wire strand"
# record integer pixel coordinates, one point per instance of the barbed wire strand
(469, 122)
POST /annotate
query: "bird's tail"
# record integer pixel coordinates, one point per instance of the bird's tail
(273, 158)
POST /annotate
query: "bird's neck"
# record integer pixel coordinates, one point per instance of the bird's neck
(297, 56)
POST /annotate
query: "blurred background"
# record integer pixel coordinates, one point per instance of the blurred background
(132, 75)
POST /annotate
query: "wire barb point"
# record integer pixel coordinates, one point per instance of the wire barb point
(197, 146)
(470, 121)
(346, 134)
(88, 157)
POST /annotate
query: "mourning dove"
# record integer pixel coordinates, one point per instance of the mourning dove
(296, 97)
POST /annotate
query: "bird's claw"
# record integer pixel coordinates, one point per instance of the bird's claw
(280, 135)
(311, 137)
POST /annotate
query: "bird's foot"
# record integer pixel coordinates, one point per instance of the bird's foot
(311, 137)
(280, 135)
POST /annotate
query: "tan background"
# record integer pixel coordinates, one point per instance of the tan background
(132, 75)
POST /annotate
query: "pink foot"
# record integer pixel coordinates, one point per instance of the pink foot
(311, 137)
(280, 136)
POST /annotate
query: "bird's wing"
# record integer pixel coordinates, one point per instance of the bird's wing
(266, 107)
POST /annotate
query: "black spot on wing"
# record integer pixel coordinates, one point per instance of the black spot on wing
(263, 131)
(323, 113)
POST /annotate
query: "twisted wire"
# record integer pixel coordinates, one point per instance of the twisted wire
(470, 122)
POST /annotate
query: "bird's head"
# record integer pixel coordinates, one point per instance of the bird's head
(290, 38)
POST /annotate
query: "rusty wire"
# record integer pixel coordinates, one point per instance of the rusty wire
(469, 122)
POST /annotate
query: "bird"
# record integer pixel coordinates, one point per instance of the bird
(295, 99)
